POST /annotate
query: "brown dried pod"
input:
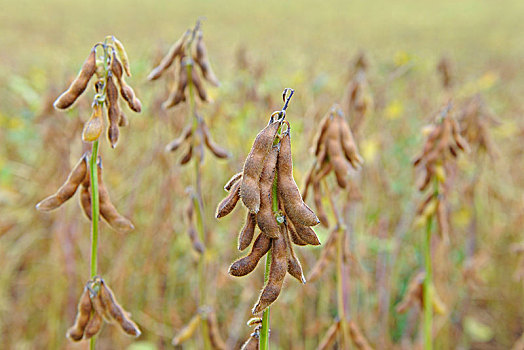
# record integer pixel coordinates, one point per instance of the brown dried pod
(123, 55)
(218, 151)
(122, 120)
(68, 189)
(177, 95)
(254, 164)
(325, 257)
(248, 231)
(108, 210)
(78, 85)
(94, 325)
(330, 338)
(295, 207)
(413, 294)
(277, 272)
(187, 157)
(129, 95)
(229, 203)
(336, 154)
(176, 50)
(323, 171)
(294, 268)
(429, 171)
(113, 111)
(245, 265)
(198, 246)
(421, 209)
(317, 197)
(233, 180)
(457, 137)
(322, 133)
(294, 235)
(199, 86)
(126, 91)
(434, 133)
(116, 311)
(186, 332)
(76, 332)
(95, 125)
(357, 337)
(176, 143)
(96, 300)
(213, 332)
(85, 196)
(266, 220)
(202, 60)
(305, 233)
(348, 143)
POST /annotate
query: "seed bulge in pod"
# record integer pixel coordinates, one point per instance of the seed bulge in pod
(176, 50)
(229, 203)
(305, 233)
(202, 60)
(233, 180)
(94, 126)
(253, 166)
(68, 189)
(277, 272)
(348, 143)
(78, 85)
(108, 210)
(94, 326)
(295, 207)
(246, 235)
(247, 264)
(76, 332)
(117, 312)
(266, 217)
(293, 264)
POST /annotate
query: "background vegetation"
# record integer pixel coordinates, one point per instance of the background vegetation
(306, 45)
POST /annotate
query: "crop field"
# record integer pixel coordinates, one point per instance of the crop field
(375, 151)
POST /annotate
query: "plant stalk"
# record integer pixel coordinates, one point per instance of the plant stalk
(95, 213)
(341, 286)
(428, 281)
(428, 285)
(94, 209)
(199, 209)
(264, 331)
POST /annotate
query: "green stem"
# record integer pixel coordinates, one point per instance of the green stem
(428, 289)
(264, 331)
(428, 281)
(95, 212)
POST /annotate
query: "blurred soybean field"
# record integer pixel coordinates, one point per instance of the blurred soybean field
(257, 49)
